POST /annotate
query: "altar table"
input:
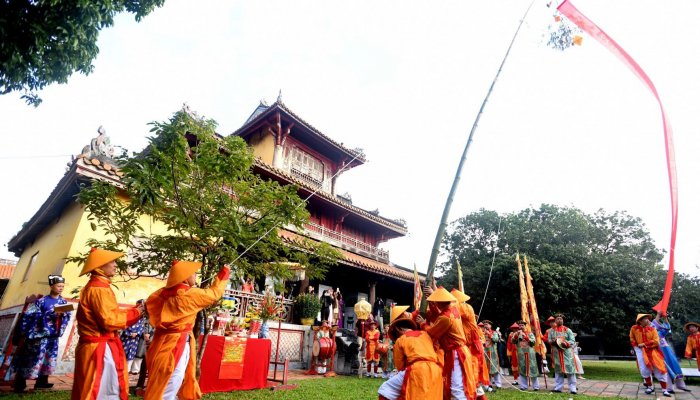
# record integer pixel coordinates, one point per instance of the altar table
(256, 365)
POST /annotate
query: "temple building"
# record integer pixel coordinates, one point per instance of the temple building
(288, 150)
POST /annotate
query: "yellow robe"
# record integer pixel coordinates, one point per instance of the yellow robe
(98, 318)
(172, 313)
(447, 328)
(692, 347)
(415, 353)
(653, 357)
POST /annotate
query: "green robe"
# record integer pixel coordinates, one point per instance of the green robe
(527, 360)
(389, 360)
(562, 360)
(491, 351)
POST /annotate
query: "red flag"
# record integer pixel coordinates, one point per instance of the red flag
(573, 14)
(417, 291)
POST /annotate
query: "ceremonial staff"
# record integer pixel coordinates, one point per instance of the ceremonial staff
(458, 176)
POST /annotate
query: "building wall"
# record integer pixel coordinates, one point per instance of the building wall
(263, 144)
(52, 245)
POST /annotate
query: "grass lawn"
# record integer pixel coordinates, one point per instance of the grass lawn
(340, 388)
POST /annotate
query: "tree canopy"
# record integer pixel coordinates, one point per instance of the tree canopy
(44, 42)
(599, 269)
(203, 189)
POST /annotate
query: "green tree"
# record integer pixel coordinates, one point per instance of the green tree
(599, 269)
(203, 189)
(43, 42)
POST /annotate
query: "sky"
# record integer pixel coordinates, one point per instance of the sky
(404, 81)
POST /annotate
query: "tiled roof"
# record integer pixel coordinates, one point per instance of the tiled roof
(356, 260)
(384, 221)
(259, 114)
(94, 163)
(6, 271)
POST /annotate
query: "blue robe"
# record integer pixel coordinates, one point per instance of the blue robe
(132, 344)
(41, 328)
(674, 369)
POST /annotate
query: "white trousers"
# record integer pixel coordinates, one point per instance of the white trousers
(178, 375)
(457, 384)
(524, 382)
(496, 380)
(391, 388)
(136, 366)
(109, 382)
(645, 370)
(559, 381)
(675, 383)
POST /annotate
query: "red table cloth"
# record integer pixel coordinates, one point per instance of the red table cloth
(256, 365)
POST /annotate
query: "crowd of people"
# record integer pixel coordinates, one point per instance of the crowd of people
(448, 355)
(445, 354)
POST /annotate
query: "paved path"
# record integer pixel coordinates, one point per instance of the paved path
(627, 390)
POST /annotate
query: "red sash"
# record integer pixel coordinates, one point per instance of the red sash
(180, 346)
(115, 346)
(449, 367)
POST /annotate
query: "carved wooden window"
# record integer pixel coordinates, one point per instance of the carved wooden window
(308, 165)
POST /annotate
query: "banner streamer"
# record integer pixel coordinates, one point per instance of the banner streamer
(537, 329)
(460, 278)
(575, 16)
(525, 315)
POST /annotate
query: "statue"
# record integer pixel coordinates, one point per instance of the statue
(100, 146)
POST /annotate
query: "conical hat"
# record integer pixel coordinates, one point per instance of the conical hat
(98, 258)
(689, 324)
(640, 316)
(393, 334)
(461, 297)
(441, 295)
(397, 311)
(550, 319)
(180, 271)
(515, 326)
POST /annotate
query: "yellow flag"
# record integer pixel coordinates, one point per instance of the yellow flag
(417, 291)
(525, 315)
(536, 328)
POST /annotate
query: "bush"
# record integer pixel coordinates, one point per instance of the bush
(307, 306)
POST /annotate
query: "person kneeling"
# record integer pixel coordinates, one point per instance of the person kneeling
(419, 376)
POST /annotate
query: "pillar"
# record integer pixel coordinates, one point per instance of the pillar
(372, 293)
(278, 156)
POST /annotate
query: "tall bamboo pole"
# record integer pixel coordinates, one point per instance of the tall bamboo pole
(458, 175)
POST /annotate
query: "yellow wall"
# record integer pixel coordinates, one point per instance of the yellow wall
(263, 146)
(53, 245)
(67, 238)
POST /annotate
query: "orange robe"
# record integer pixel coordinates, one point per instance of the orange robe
(484, 375)
(372, 339)
(99, 317)
(653, 357)
(512, 352)
(474, 343)
(447, 329)
(173, 312)
(692, 347)
(415, 353)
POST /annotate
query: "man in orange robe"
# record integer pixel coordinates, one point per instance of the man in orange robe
(172, 311)
(371, 355)
(645, 341)
(474, 343)
(692, 347)
(458, 375)
(100, 365)
(512, 350)
(420, 374)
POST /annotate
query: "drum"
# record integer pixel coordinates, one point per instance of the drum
(323, 348)
(383, 348)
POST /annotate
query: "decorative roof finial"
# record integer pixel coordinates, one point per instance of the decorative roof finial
(263, 103)
(279, 98)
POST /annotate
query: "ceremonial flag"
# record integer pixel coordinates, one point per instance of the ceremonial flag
(459, 275)
(536, 328)
(525, 315)
(573, 14)
(417, 291)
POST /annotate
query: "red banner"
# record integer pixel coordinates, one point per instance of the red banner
(573, 14)
(232, 358)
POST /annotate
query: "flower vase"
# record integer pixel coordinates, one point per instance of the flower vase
(264, 330)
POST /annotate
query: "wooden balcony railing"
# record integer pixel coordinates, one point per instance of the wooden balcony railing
(347, 240)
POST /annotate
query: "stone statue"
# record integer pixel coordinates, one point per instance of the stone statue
(99, 146)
